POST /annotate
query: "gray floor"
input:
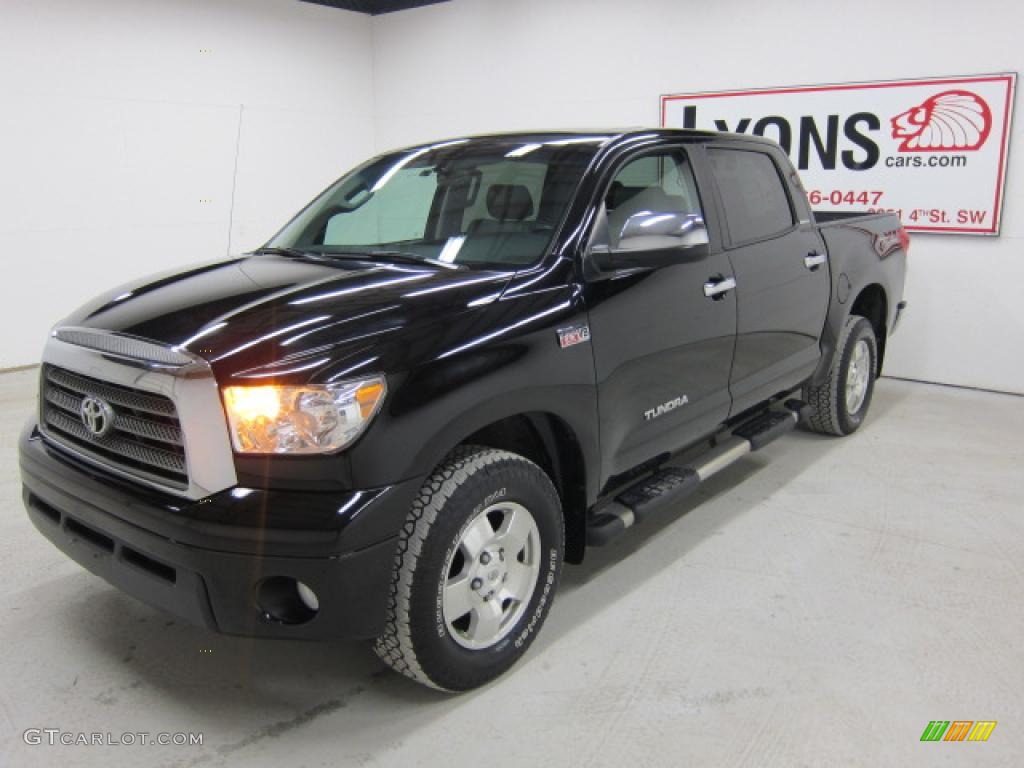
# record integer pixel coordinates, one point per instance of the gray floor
(825, 602)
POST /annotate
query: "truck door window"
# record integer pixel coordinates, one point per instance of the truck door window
(755, 201)
(659, 183)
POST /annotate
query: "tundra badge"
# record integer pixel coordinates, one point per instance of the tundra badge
(653, 413)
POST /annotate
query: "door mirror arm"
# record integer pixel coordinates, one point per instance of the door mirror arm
(607, 259)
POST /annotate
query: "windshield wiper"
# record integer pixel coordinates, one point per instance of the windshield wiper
(404, 256)
(294, 253)
(409, 258)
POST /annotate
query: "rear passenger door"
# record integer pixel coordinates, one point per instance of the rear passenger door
(782, 281)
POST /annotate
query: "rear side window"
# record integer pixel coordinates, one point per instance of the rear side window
(756, 204)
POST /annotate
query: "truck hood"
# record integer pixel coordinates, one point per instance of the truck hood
(272, 318)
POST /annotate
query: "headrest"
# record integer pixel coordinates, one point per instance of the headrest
(509, 202)
(619, 194)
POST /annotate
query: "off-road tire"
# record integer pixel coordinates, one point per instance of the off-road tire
(830, 415)
(416, 640)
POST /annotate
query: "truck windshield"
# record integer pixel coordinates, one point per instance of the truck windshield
(472, 202)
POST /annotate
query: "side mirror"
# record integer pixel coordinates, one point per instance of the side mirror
(649, 230)
(652, 239)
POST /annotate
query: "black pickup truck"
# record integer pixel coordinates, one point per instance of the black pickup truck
(460, 365)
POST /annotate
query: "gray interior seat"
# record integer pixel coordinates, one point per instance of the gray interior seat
(508, 205)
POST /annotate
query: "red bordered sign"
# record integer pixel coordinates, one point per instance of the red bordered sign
(933, 150)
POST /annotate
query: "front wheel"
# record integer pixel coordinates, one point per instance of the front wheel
(840, 404)
(476, 570)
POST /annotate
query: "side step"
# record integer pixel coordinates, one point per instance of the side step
(670, 485)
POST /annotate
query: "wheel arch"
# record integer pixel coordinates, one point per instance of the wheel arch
(871, 301)
(873, 304)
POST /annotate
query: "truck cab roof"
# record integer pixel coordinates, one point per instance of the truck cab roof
(602, 137)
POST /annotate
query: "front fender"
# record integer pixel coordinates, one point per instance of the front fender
(509, 362)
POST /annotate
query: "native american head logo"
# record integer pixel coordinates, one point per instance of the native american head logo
(948, 120)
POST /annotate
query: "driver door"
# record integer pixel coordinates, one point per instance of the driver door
(663, 347)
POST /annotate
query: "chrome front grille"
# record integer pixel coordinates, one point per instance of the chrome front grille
(163, 423)
(146, 440)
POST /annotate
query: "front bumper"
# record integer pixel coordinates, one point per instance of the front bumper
(204, 561)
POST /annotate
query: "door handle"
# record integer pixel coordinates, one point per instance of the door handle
(814, 260)
(717, 287)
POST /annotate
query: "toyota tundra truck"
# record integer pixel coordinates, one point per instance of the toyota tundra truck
(460, 366)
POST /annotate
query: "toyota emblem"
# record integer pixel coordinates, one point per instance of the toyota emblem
(97, 416)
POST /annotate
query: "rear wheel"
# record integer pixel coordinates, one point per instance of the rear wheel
(841, 402)
(476, 570)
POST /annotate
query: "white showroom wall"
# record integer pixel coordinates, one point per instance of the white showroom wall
(121, 123)
(116, 125)
(490, 65)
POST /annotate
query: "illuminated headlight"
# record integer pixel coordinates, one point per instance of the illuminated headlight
(309, 419)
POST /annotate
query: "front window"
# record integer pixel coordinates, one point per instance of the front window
(659, 183)
(482, 202)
